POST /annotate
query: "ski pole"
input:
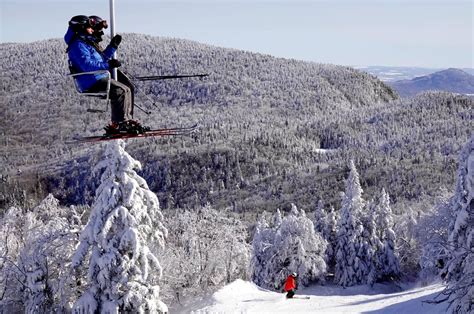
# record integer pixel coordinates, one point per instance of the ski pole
(167, 77)
(147, 112)
(138, 89)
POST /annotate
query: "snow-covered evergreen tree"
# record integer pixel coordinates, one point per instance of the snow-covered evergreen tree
(277, 219)
(266, 270)
(124, 222)
(433, 233)
(372, 242)
(36, 247)
(295, 247)
(206, 249)
(363, 258)
(350, 270)
(330, 232)
(461, 237)
(262, 244)
(389, 265)
(320, 219)
(407, 232)
(299, 248)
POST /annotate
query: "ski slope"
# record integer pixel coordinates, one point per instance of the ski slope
(245, 297)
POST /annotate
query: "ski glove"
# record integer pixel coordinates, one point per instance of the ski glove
(115, 42)
(114, 63)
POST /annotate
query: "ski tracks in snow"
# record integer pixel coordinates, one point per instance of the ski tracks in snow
(245, 297)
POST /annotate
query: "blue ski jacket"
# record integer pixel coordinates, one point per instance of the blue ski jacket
(85, 56)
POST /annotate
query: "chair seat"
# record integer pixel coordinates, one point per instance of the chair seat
(101, 94)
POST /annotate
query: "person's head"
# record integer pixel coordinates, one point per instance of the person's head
(294, 274)
(81, 24)
(98, 24)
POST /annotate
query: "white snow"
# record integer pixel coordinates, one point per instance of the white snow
(245, 297)
(323, 150)
(391, 73)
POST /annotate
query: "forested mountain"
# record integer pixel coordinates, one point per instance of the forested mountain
(272, 131)
(450, 80)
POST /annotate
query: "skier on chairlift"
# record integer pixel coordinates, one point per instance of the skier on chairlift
(85, 55)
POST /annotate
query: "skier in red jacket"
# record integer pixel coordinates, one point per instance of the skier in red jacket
(291, 285)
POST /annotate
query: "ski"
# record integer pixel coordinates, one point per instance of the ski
(301, 297)
(152, 133)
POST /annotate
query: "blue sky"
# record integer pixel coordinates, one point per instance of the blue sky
(436, 34)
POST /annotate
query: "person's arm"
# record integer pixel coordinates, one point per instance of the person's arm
(108, 52)
(83, 58)
(112, 47)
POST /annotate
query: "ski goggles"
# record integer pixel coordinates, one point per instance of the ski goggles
(98, 23)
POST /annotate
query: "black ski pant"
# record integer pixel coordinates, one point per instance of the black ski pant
(124, 79)
(290, 294)
(121, 97)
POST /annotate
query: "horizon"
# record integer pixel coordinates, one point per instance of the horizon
(391, 33)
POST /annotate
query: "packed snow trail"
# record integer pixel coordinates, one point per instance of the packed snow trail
(245, 297)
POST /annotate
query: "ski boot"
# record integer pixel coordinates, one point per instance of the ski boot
(111, 129)
(132, 127)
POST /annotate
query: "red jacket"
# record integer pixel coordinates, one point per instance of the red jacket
(290, 283)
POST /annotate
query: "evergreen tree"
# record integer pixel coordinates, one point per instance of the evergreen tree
(45, 258)
(433, 233)
(262, 244)
(36, 247)
(461, 237)
(349, 269)
(277, 219)
(290, 246)
(389, 265)
(206, 250)
(373, 243)
(408, 241)
(320, 219)
(363, 256)
(331, 230)
(124, 220)
(298, 248)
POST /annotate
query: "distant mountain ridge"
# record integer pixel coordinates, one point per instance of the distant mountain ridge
(450, 80)
(398, 73)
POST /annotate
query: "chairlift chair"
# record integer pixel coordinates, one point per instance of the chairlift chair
(100, 94)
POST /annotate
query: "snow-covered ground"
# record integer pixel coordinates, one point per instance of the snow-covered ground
(245, 297)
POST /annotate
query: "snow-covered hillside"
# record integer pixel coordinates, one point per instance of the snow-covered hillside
(245, 297)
